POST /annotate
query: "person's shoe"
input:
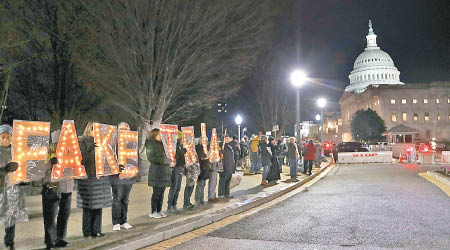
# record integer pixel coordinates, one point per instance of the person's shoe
(258, 172)
(229, 196)
(188, 206)
(126, 225)
(171, 210)
(162, 214)
(264, 183)
(155, 215)
(213, 200)
(49, 246)
(116, 227)
(97, 235)
(61, 243)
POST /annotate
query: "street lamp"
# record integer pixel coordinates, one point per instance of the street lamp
(298, 77)
(238, 121)
(317, 117)
(321, 102)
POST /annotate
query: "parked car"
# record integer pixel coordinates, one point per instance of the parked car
(351, 147)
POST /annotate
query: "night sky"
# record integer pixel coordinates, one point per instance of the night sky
(331, 34)
(326, 36)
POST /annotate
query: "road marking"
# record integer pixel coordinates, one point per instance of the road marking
(439, 184)
(231, 219)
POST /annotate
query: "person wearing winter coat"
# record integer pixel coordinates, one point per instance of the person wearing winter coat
(203, 176)
(94, 193)
(228, 168)
(121, 189)
(176, 178)
(234, 143)
(12, 197)
(274, 170)
(309, 157)
(279, 153)
(254, 159)
(159, 175)
(56, 200)
(266, 159)
(318, 156)
(293, 156)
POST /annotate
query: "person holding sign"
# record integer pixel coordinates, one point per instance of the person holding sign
(12, 197)
(159, 174)
(121, 188)
(94, 193)
(176, 178)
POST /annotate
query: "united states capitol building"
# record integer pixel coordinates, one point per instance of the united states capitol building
(412, 112)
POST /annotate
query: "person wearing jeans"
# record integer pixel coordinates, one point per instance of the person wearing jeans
(212, 183)
(192, 173)
(204, 173)
(266, 160)
(159, 175)
(293, 156)
(121, 189)
(309, 157)
(176, 179)
(228, 169)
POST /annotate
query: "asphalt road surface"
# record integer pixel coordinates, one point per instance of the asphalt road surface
(353, 207)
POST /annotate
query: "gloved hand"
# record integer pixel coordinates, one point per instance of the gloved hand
(121, 168)
(11, 167)
(54, 161)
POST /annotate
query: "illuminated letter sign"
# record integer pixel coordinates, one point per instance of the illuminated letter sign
(68, 154)
(127, 151)
(214, 155)
(203, 138)
(169, 136)
(29, 145)
(189, 144)
(105, 139)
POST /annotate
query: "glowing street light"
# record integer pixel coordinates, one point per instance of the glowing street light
(298, 77)
(317, 117)
(238, 121)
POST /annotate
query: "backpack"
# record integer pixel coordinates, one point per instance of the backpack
(244, 150)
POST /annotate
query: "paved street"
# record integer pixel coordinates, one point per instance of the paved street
(354, 207)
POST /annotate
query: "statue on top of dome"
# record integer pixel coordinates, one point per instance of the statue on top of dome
(370, 27)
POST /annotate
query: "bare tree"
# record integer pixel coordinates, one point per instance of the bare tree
(165, 60)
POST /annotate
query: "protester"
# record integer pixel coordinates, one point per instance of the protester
(204, 174)
(318, 155)
(254, 159)
(244, 153)
(159, 174)
(236, 150)
(176, 178)
(121, 189)
(309, 157)
(228, 168)
(293, 157)
(12, 197)
(94, 193)
(266, 159)
(192, 173)
(279, 153)
(56, 200)
(274, 170)
(335, 152)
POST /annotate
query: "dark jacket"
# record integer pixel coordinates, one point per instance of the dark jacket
(274, 170)
(93, 193)
(292, 151)
(159, 173)
(266, 154)
(228, 159)
(236, 151)
(204, 163)
(180, 160)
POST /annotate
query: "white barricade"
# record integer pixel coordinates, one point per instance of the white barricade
(365, 157)
(445, 157)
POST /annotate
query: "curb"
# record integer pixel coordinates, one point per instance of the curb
(439, 177)
(155, 236)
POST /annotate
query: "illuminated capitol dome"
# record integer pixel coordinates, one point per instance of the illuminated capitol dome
(372, 67)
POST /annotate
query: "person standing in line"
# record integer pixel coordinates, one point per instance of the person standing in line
(309, 157)
(12, 197)
(176, 178)
(159, 174)
(94, 193)
(121, 189)
(274, 171)
(266, 159)
(255, 168)
(234, 143)
(293, 157)
(192, 173)
(56, 200)
(228, 168)
(279, 153)
(318, 155)
(203, 176)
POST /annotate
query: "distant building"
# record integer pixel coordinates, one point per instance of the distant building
(375, 84)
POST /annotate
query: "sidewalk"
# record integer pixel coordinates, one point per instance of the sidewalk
(30, 235)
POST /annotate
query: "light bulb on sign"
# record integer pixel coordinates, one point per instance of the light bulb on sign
(125, 153)
(106, 150)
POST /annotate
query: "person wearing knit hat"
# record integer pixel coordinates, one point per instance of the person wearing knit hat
(12, 197)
